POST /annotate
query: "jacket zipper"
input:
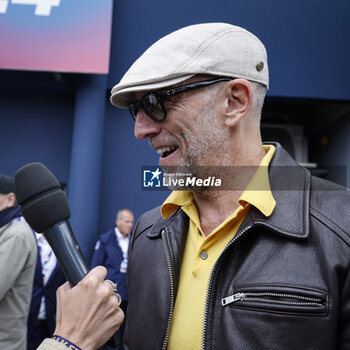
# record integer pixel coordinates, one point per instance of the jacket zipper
(172, 297)
(267, 297)
(206, 307)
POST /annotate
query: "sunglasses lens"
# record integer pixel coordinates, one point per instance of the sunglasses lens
(154, 107)
(133, 109)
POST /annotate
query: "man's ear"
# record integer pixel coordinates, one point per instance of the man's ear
(11, 198)
(239, 95)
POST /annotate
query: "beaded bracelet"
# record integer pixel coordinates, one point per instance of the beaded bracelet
(65, 342)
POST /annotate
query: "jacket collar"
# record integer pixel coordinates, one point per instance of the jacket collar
(161, 223)
(290, 186)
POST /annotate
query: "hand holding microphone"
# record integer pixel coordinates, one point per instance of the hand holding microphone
(45, 207)
(88, 314)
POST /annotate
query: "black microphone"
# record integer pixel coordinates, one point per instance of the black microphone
(45, 207)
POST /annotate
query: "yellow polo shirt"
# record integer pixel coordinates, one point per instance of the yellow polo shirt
(201, 253)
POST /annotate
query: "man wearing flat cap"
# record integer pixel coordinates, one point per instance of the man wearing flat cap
(17, 264)
(260, 263)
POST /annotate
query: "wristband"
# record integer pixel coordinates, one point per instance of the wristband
(65, 342)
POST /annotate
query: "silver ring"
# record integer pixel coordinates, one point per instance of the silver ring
(115, 290)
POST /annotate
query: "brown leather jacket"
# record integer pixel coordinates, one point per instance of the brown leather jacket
(282, 283)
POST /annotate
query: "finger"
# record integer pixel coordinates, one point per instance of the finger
(115, 310)
(64, 287)
(110, 284)
(99, 272)
(115, 303)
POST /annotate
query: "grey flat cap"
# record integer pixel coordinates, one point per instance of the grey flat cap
(218, 49)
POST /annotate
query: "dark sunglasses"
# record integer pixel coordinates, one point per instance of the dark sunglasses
(153, 103)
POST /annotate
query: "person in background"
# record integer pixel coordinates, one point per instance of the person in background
(47, 278)
(18, 254)
(111, 251)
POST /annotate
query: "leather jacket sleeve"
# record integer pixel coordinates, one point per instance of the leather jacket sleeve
(344, 322)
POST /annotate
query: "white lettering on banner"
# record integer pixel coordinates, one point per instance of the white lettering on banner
(191, 181)
(43, 7)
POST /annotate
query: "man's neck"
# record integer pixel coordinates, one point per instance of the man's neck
(214, 209)
(123, 234)
(215, 206)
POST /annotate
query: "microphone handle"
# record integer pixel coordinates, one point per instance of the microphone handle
(70, 257)
(66, 248)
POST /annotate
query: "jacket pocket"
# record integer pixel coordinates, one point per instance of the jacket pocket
(278, 299)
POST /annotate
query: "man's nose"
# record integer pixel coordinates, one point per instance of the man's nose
(145, 127)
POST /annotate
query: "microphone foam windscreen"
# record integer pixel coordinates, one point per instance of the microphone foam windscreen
(39, 194)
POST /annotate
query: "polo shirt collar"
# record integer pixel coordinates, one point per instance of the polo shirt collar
(257, 193)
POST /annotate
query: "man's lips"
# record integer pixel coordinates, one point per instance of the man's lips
(166, 151)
